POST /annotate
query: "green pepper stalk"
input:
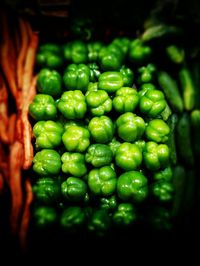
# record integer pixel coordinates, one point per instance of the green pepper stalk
(73, 164)
(132, 186)
(43, 107)
(99, 155)
(72, 104)
(102, 181)
(49, 82)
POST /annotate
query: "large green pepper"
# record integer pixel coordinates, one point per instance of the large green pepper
(99, 155)
(43, 107)
(75, 52)
(76, 138)
(156, 156)
(76, 77)
(49, 82)
(132, 185)
(74, 189)
(101, 129)
(99, 102)
(110, 81)
(125, 214)
(157, 130)
(72, 104)
(93, 50)
(48, 134)
(128, 156)
(47, 162)
(125, 100)
(74, 164)
(102, 181)
(130, 127)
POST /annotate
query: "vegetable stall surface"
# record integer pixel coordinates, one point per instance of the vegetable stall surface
(104, 131)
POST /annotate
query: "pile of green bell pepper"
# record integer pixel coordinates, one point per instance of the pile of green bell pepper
(112, 135)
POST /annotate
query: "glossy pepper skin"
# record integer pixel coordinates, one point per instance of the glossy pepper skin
(99, 222)
(44, 216)
(72, 104)
(163, 191)
(125, 214)
(102, 181)
(43, 107)
(132, 186)
(99, 155)
(128, 156)
(130, 127)
(123, 43)
(145, 87)
(108, 203)
(101, 129)
(110, 81)
(99, 102)
(73, 163)
(49, 82)
(156, 156)
(75, 52)
(76, 138)
(74, 189)
(47, 162)
(157, 130)
(77, 77)
(152, 103)
(72, 218)
(164, 174)
(126, 100)
(49, 55)
(127, 75)
(93, 50)
(147, 73)
(47, 190)
(48, 134)
(139, 52)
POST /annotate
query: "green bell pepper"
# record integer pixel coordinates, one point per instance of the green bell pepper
(132, 185)
(76, 138)
(156, 156)
(44, 216)
(146, 73)
(75, 52)
(73, 164)
(49, 82)
(162, 190)
(128, 156)
(99, 222)
(99, 155)
(145, 87)
(125, 100)
(130, 127)
(123, 43)
(139, 52)
(125, 214)
(157, 130)
(72, 218)
(47, 162)
(114, 145)
(108, 203)
(164, 174)
(101, 129)
(74, 189)
(48, 134)
(110, 81)
(93, 50)
(94, 72)
(47, 190)
(99, 102)
(76, 77)
(43, 107)
(128, 76)
(72, 104)
(102, 181)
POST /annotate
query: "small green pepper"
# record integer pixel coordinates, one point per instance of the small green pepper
(101, 129)
(108, 203)
(125, 100)
(125, 214)
(123, 43)
(110, 81)
(93, 50)
(146, 73)
(128, 156)
(127, 75)
(77, 77)
(47, 162)
(99, 155)
(156, 156)
(102, 181)
(48, 134)
(164, 174)
(130, 127)
(139, 52)
(72, 218)
(76, 138)
(132, 185)
(43, 107)
(157, 130)
(49, 82)
(162, 190)
(72, 104)
(74, 164)
(44, 216)
(99, 102)
(74, 189)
